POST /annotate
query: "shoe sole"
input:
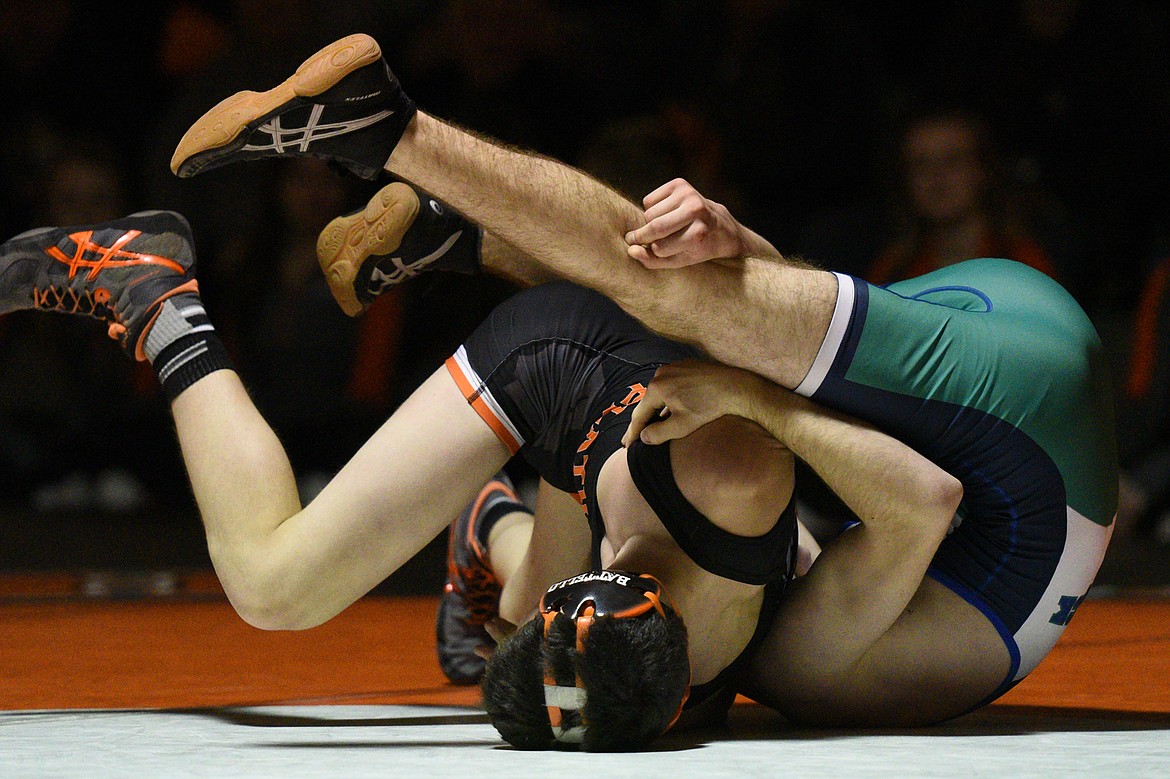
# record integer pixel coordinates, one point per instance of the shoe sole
(347, 241)
(218, 132)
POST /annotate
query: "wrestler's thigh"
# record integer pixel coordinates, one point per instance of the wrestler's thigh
(558, 549)
(941, 658)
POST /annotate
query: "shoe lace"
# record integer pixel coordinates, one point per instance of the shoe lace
(88, 302)
(480, 590)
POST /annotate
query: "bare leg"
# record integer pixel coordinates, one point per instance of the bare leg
(766, 316)
(284, 567)
(959, 660)
(501, 258)
(508, 543)
(558, 547)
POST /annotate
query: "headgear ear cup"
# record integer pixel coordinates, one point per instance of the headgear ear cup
(559, 699)
(615, 594)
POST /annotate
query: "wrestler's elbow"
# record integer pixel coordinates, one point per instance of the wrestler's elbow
(941, 497)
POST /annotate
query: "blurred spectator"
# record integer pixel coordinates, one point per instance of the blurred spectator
(1078, 92)
(954, 205)
(64, 389)
(1144, 411)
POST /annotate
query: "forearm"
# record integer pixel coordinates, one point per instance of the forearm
(564, 219)
(864, 580)
(881, 479)
(755, 245)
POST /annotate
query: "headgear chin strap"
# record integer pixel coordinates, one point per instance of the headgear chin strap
(581, 598)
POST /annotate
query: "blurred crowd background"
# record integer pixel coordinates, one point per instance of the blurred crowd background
(880, 139)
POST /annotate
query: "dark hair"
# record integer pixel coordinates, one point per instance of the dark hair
(635, 672)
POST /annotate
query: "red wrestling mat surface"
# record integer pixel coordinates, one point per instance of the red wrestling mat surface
(62, 651)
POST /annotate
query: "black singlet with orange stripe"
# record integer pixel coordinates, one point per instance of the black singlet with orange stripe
(555, 371)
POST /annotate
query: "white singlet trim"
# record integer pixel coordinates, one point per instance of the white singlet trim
(842, 314)
(485, 394)
(1084, 549)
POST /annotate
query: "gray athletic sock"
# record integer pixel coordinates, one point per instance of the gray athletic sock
(182, 345)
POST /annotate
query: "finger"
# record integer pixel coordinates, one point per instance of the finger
(644, 414)
(661, 193)
(669, 203)
(647, 410)
(648, 258)
(675, 243)
(666, 429)
(690, 238)
(656, 230)
(697, 236)
(667, 224)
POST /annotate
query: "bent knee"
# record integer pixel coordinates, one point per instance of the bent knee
(265, 600)
(734, 473)
(267, 609)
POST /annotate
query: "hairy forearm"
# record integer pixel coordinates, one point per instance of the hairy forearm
(878, 477)
(864, 580)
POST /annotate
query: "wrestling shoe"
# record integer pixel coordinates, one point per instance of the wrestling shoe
(342, 104)
(471, 595)
(399, 234)
(119, 272)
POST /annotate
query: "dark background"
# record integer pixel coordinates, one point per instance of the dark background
(791, 112)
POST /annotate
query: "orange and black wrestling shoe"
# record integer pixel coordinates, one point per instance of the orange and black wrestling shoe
(471, 595)
(119, 272)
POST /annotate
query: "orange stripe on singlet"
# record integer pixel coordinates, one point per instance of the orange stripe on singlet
(475, 399)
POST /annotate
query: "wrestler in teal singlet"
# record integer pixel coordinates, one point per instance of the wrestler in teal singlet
(990, 369)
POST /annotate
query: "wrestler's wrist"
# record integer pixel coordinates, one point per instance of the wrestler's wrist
(755, 400)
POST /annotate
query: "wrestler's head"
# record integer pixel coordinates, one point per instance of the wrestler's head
(602, 666)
